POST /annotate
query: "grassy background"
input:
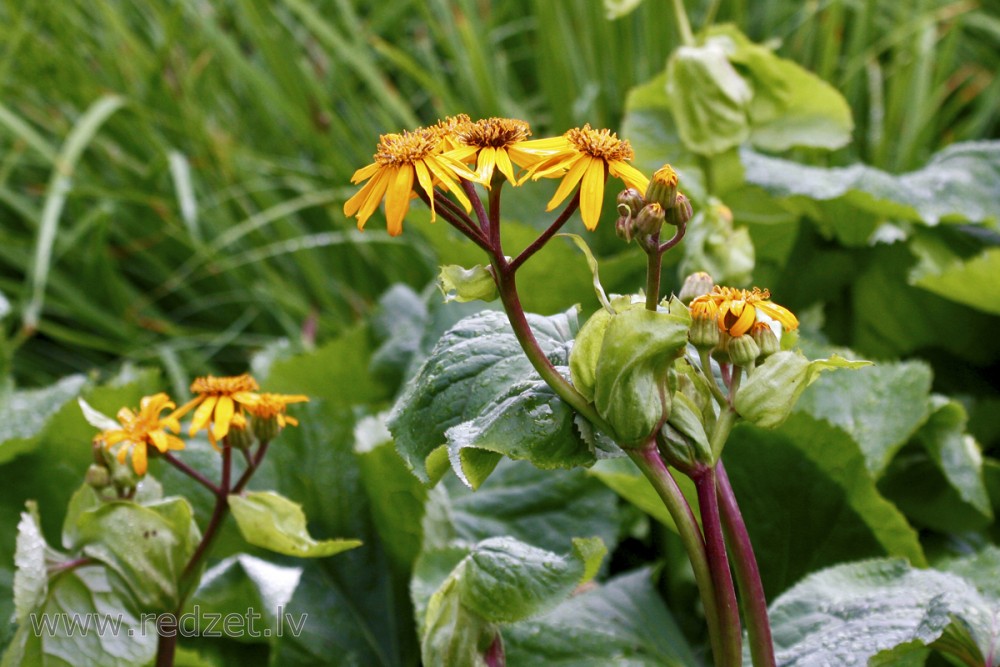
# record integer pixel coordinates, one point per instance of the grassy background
(171, 173)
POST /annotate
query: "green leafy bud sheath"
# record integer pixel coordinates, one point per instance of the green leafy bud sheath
(631, 390)
(460, 284)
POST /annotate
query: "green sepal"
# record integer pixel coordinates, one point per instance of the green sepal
(458, 283)
(630, 388)
(767, 397)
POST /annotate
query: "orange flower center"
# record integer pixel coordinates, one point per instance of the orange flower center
(398, 149)
(223, 386)
(495, 132)
(603, 144)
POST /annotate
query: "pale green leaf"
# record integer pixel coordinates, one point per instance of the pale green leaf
(269, 520)
(24, 413)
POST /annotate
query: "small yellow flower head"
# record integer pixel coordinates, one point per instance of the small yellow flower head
(268, 411)
(401, 162)
(500, 143)
(586, 156)
(663, 187)
(450, 129)
(218, 399)
(142, 429)
(738, 309)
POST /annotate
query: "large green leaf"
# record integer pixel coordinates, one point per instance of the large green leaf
(979, 569)
(620, 622)
(31, 580)
(499, 580)
(973, 281)
(397, 497)
(360, 602)
(809, 502)
(147, 546)
(478, 393)
(243, 585)
(883, 610)
(790, 106)
(880, 407)
(959, 183)
(24, 413)
(269, 520)
(708, 97)
(83, 622)
(543, 508)
(955, 452)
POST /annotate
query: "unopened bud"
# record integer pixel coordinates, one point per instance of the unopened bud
(266, 428)
(663, 187)
(743, 350)
(681, 212)
(623, 228)
(704, 334)
(239, 435)
(632, 200)
(695, 285)
(764, 336)
(98, 477)
(649, 220)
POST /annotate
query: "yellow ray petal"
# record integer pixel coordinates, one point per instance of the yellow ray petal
(592, 193)
(633, 177)
(159, 439)
(426, 184)
(223, 417)
(203, 414)
(448, 183)
(397, 199)
(569, 182)
(184, 409)
(485, 163)
(173, 442)
(139, 458)
(122, 453)
(365, 172)
(781, 314)
(380, 182)
(505, 166)
(746, 319)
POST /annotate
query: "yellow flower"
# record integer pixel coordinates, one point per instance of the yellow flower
(448, 131)
(399, 160)
(499, 143)
(586, 156)
(273, 406)
(219, 399)
(139, 430)
(737, 309)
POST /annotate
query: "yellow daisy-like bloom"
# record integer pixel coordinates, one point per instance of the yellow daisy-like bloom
(585, 156)
(399, 160)
(499, 144)
(448, 131)
(142, 429)
(219, 399)
(738, 309)
(273, 406)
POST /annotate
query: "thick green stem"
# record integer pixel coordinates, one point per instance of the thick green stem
(752, 598)
(651, 464)
(722, 577)
(654, 261)
(723, 425)
(522, 330)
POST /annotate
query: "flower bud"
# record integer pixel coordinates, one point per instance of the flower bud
(266, 428)
(623, 228)
(743, 350)
(695, 285)
(681, 212)
(123, 477)
(649, 220)
(764, 336)
(239, 436)
(663, 187)
(98, 477)
(632, 199)
(704, 334)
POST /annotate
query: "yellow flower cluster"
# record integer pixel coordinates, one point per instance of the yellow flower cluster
(736, 310)
(413, 163)
(221, 405)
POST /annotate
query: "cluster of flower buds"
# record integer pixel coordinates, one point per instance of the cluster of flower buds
(642, 215)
